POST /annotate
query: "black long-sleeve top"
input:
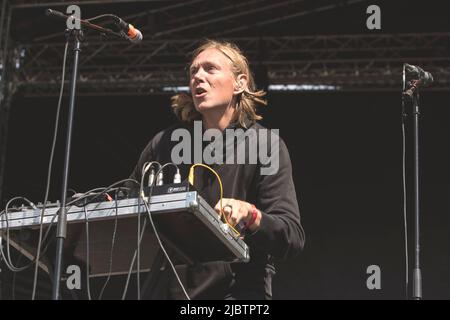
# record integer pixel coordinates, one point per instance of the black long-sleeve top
(280, 234)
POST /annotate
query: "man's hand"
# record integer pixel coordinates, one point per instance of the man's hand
(237, 210)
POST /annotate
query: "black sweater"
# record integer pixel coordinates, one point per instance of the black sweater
(280, 234)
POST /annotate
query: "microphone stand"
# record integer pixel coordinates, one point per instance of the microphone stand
(417, 275)
(61, 232)
(77, 36)
(413, 93)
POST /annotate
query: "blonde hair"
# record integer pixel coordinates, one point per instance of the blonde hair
(246, 102)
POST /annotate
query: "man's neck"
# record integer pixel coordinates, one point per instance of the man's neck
(214, 120)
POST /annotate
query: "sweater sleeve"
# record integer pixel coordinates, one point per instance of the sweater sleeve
(146, 155)
(280, 233)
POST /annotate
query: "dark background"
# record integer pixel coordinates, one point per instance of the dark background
(346, 151)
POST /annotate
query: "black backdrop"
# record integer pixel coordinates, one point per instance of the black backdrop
(346, 150)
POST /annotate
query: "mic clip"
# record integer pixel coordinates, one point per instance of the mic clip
(412, 89)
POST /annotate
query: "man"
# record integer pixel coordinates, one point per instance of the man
(223, 96)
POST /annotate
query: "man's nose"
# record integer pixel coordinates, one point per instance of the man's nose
(199, 75)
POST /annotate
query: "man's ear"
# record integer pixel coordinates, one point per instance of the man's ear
(240, 84)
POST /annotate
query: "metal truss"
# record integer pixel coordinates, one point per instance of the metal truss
(216, 18)
(20, 4)
(352, 62)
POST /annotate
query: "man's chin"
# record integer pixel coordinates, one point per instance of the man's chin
(202, 107)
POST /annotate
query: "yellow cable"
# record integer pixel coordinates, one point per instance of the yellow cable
(191, 181)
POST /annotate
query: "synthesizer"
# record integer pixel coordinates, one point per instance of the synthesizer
(183, 219)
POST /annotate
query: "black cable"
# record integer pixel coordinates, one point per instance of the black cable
(87, 194)
(124, 293)
(154, 230)
(7, 258)
(84, 196)
(138, 246)
(49, 172)
(147, 206)
(73, 190)
(10, 265)
(87, 254)
(107, 189)
(8, 262)
(1, 273)
(115, 21)
(14, 279)
(106, 15)
(2, 278)
(146, 167)
(112, 249)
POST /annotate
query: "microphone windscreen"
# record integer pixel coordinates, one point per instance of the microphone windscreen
(134, 34)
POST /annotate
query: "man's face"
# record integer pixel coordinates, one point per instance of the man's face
(212, 81)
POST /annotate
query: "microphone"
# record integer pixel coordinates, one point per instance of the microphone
(127, 30)
(423, 76)
(420, 78)
(133, 34)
